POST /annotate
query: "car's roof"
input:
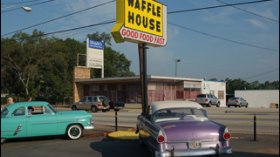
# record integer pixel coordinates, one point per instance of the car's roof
(174, 104)
(23, 104)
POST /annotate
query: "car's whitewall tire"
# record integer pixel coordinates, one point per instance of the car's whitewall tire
(74, 132)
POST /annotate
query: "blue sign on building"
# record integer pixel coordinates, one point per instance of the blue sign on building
(96, 44)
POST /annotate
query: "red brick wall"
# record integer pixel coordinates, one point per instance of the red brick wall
(79, 73)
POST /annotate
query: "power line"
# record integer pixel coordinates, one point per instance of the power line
(18, 2)
(115, 0)
(153, 64)
(67, 30)
(227, 70)
(261, 74)
(222, 38)
(219, 6)
(28, 6)
(85, 30)
(248, 11)
(59, 17)
(164, 69)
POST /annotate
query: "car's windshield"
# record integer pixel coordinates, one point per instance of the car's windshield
(4, 112)
(182, 114)
(50, 106)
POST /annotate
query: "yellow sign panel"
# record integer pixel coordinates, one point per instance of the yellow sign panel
(145, 16)
(141, 21)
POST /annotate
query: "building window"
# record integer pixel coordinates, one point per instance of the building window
(220, 95)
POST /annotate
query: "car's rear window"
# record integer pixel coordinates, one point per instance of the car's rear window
(201, 96)
(181, 114)
(103, 98)
(233, 98)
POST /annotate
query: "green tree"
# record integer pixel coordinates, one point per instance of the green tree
(213, 79)
(29, 52)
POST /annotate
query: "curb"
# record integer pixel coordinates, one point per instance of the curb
(252, 111)
(124, 135)
(252, 133)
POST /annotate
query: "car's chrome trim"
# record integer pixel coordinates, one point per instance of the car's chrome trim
(18, 129)
(89, 127)
(184, 141)
(201, 152)
(83, 120)
(10, 130)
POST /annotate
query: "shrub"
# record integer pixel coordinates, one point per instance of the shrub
(40, 98)
(4, 101)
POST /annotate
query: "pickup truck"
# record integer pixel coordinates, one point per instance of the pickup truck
(116, 105)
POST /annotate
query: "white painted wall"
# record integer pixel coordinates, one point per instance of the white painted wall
(259, 98)
(216, 86)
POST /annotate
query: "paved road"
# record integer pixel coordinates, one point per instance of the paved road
(128, 118)
(58, 146)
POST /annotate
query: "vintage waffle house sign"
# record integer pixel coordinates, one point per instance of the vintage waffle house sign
(141, 21)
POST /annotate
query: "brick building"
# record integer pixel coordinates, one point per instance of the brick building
(128, 89)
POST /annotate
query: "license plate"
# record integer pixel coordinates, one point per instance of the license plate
(195, 144)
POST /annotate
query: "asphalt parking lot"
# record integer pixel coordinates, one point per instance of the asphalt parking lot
(94, 143)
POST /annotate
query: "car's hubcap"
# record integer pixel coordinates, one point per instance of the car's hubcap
(75, 132)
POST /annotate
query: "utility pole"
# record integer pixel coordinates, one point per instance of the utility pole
(177, 60)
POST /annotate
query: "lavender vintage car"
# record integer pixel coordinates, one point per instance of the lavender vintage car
(181, 128)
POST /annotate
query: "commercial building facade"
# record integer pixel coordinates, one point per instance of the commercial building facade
(160, 88)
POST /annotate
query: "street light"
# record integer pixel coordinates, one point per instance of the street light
(27, 9)
(177, 60)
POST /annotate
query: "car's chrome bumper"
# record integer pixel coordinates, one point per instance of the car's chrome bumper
(89, 127)
(194, 152)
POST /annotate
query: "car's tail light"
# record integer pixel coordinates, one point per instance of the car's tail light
(227, 134)
(206, 99)
(160, 139)
(236, 100)
(99, 104)
(227, 100)
(113, 104)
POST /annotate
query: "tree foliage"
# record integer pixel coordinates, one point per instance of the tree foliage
(33, 64)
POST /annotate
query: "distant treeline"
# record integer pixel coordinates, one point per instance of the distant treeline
(239, 84)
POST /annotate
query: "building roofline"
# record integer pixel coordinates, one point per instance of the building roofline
(137, 78)
(213, 81)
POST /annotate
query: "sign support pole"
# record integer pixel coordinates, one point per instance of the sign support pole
(143, 76)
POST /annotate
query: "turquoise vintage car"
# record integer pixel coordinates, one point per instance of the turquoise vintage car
(29, 119)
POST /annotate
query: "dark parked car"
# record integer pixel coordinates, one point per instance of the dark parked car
(116, 105)
(237, 102)
(181, 128)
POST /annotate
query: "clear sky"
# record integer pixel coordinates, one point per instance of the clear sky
(201, 55)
